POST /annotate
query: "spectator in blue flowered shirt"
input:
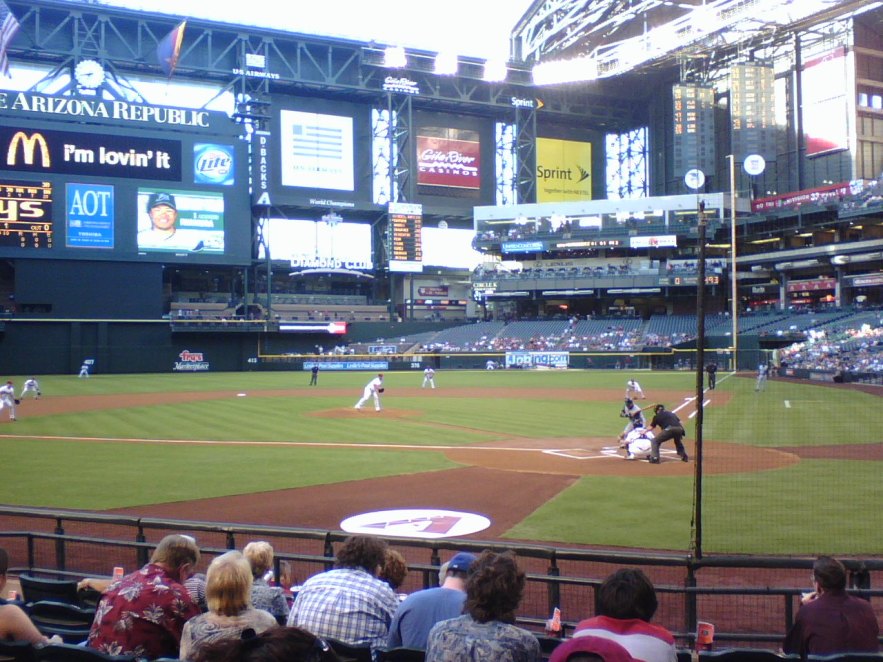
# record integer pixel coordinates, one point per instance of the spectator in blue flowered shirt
(486, 631)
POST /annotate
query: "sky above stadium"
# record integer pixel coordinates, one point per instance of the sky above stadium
(476, 28)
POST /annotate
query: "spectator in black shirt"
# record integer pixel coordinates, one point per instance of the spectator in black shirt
(672, 428)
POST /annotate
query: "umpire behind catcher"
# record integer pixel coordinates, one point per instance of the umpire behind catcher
(672, 428)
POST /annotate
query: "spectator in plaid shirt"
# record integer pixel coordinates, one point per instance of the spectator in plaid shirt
(349, 603)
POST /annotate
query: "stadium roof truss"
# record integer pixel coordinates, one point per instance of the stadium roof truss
(581, 40)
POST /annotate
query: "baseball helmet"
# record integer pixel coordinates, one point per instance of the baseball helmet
(629, 402)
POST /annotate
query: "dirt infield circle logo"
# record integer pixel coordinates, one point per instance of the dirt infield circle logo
(416, 523)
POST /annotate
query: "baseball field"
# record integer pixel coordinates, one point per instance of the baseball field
(792, 469)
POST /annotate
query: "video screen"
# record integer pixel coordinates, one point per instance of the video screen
(180, 221)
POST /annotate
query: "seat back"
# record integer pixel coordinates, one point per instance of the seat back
(349, 651)
(70, 622)
(35, 589)
(402, 654)
(743, 655)
(71, 653)
(17, 651)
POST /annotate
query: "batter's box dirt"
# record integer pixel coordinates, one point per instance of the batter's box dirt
(591, 456)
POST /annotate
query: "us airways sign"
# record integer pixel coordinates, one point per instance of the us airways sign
(65, 152)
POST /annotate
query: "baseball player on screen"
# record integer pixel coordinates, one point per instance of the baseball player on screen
(372, 389)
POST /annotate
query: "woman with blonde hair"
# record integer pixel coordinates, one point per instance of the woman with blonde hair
(263, 596)
(228, 595)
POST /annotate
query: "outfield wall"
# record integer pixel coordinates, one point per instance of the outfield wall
(36, 346)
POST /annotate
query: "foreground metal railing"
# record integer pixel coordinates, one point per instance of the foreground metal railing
(751, 599)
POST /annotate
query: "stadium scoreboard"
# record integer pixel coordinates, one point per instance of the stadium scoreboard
(26, 214)
(405, 248)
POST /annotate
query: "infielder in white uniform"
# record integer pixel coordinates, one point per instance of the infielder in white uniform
(638, 444)
(31, 386)
(7, 398)
(373, 389)
(633, 390)
(84, 371)
(428, 377)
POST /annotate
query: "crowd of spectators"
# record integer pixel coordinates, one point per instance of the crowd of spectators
(471, 617)
(852, 350)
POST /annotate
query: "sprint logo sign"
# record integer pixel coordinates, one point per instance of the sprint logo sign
(564, 170)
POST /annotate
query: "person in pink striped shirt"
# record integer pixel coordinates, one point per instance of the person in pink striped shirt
(626, 603)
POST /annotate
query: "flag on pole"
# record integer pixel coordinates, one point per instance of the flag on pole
(169, 49)
(8, 28)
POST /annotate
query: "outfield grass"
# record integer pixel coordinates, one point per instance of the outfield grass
(762, 511)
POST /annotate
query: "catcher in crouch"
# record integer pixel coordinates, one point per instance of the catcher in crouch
(638, 444)
(373, 389)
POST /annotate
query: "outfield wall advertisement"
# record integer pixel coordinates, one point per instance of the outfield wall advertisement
(537, 359)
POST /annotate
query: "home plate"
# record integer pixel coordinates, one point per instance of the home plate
(241, 395)
(574, 453)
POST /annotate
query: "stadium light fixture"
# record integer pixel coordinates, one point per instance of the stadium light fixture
(582, 69)
(394, 57)
(446, 64)
(495, 71)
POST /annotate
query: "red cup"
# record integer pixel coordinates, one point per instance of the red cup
(704, 635)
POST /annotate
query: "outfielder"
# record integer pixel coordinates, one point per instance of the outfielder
(373, 389)
(7, 398)
(428, 377)
(635, 415)
(31, 386)
(638, 444)
(633, 390)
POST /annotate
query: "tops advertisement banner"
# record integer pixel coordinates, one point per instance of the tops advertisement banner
(449, 157)
(564, 170)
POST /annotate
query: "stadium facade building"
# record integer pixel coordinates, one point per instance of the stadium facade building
(321, 194)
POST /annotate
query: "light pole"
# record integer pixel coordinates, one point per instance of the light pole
(734, 286)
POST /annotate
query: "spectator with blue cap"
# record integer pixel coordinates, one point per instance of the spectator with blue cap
(421, 610)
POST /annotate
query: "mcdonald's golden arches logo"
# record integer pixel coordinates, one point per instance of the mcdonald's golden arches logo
(29, 147)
